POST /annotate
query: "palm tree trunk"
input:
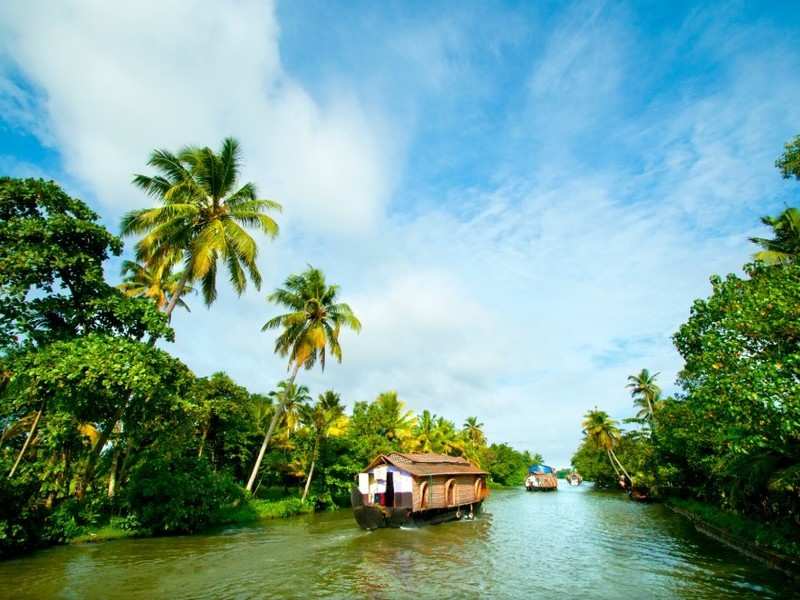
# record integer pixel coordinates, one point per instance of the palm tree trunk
(202, 442)
(308, 480)
(27, 442)
(620, 465)
(272, 425)
(311, 470)
(172, 302)
(112, 474)
(177, 295)
(613, 464)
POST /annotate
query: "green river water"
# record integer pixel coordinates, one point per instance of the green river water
(574, 543)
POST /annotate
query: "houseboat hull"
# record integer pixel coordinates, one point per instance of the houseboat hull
(533, 488)
(371, 517)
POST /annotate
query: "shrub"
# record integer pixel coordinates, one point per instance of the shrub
(178, 495)
(21, 519)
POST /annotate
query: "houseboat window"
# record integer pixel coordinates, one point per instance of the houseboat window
(450, 492)
(478, 488)
(423, 495)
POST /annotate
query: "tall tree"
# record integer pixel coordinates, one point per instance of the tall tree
(474, 431)
(785, 245)
(52, 287)
(319, 419)
(394, 421)
(602, 430)
(158, 283)
(308, 332)
(202, 218)
(645, 392)
(789, 162)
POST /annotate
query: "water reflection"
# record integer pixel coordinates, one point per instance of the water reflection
(585, 543)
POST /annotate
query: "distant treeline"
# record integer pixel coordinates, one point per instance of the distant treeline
(731, 435)
(97, 421)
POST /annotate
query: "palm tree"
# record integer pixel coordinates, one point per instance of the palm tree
(785, 246)
(447, 439)
(319, 419)
(425, 433)
(309, 331)
(645, 393)
(158, 283)
(604, 433)
(290, 399)
(202, 219)
(474, 432)
(396, 422)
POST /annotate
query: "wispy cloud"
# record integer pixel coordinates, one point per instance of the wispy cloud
(521, 220)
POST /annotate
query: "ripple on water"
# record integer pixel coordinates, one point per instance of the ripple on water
(588, 544)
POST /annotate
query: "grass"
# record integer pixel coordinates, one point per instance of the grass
(256, 509)
(109, 531)
(776, 537)
(249, 511)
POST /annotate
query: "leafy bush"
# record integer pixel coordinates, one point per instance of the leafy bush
(178, 495)
(21, 520)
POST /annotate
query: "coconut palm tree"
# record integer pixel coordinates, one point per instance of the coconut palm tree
(425, 432)
(158, 283)
(785, 245)
(474, 432)
(202, 218)
(645, 393)
(319, 419)
(290, 398)
(309, 331)
(604, 433)
(396, 423)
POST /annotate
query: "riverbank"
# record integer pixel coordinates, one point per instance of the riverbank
(248, 511)
(770, 544)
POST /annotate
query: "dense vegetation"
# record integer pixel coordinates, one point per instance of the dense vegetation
(98, 425)
(731, 436)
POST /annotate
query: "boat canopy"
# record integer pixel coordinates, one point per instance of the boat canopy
(540, 469)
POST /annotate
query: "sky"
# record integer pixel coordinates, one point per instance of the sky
(520, 200)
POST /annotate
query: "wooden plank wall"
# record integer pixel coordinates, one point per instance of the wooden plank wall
(464, 491)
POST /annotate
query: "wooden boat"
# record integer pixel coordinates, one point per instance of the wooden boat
(405, 489)
(541, 478)
(574, 478)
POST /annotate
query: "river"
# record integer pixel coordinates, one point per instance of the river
(576, 542)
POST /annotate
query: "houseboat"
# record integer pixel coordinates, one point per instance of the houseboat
(403, 489)
(541, 478)
(574, 478)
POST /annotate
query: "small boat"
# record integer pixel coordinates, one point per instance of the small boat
(574, 478)
(541, 478)
(413, 489)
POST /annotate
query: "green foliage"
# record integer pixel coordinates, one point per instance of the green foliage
(507, 466)
(203, 217)
(224, 412)
(789, 162)
(781, 538)
(178, 494)
(785, 245)
(52, 287)
(741, 399)
(21, 517)
(311, 330)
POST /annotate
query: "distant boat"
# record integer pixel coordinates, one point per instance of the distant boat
(400, 489)
(541, 478)
(574, 478)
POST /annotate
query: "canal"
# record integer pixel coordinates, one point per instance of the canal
(577, 542)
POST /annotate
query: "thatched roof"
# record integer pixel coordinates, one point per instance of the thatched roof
(423, 465)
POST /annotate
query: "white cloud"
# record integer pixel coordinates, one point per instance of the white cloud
(115, 83)
(525, 300)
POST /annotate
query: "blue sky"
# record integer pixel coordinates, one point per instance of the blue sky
(521, 200)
